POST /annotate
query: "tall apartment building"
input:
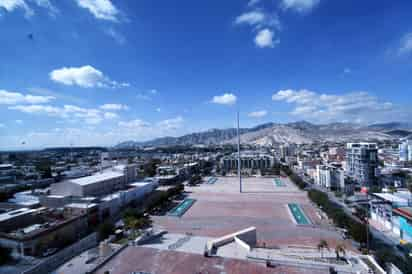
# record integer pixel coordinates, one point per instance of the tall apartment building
(362, 162)
(287, 150)
(330, 177)
(405, 151)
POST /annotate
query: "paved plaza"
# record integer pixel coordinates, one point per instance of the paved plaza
(220, 209)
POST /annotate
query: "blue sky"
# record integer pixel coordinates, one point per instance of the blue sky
(97, 72)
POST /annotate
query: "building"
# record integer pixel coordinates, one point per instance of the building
(287, 150)
(32, 232)
(99, 184)
(330, 177)
(391, 212)
(362, 162)
(111, 204)
(96, 185)
(249, 160)
(405, 151)
(402, 222)
(7, 173)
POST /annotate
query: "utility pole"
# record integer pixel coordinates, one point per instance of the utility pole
(239, 162)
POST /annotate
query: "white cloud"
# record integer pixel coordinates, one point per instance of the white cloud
(262, 22)
(84, 134)
(114, 107)
(69, 112)
(258, 19)
(157, 129)
(264, 38)
(135, 124)
(158, 109)
(252, 3)
(12, 98)
(406, 44)
(171, 124)
(147, 95)
(85, 76)
(2, 125)
(111, 115)
(258, 114)
(251, 18)
(101, 9)
(117, 36)
(39, 109)
(331, 107)
(46, 4)
(19, 122)
(299, 5)
(225, 99)
(11, 5)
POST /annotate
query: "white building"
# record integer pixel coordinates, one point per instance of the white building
(405, 151)
(99, 184)
(382, 205)
(95, 185)
(329, 177)
(111, 204)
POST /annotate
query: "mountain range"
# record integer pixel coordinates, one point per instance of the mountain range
(301, 132)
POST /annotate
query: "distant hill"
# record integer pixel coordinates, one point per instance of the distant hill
(400, 133)
(296, 132)
(391, 126)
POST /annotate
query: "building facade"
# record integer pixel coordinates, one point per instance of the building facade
(405, 151)
(362, 162)
(330, 177)
(248, 161)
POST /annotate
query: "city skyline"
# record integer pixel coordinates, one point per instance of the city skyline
(98, 73)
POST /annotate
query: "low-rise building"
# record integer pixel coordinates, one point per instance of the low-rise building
(96, 185)
(382, 206)
(249, 160)
(31, 232)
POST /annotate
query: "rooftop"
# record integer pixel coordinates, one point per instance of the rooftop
(81, 205)
(14, 213)
(391, 198)
(96, 178)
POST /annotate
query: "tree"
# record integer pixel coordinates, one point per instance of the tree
(150, 167)
(105, 230)
(340, 249)
(195, 179)
(5, 255)
(323, 244)
(44, 168)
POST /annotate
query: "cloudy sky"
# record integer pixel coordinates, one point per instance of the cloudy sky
(97, 72)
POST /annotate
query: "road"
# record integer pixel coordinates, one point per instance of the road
(375, 233)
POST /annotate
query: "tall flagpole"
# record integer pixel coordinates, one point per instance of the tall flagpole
(238, 155)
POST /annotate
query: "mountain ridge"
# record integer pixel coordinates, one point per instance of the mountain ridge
(295, 132)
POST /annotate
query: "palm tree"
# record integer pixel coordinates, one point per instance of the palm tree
(323, 245)
(340, 249)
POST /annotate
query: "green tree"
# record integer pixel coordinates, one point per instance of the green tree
(150, 167)
(105, 230)
(5, 255)
(44, 168)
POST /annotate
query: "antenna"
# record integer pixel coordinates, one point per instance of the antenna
(239, 162)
